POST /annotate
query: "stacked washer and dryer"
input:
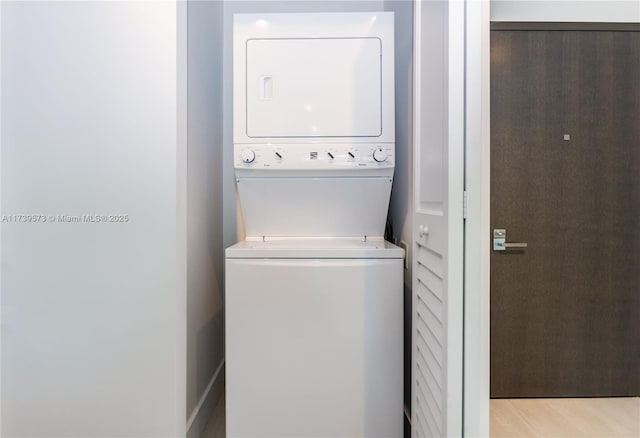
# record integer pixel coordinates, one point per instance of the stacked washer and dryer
(314, 294)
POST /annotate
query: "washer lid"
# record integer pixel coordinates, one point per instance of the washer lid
(314, 249)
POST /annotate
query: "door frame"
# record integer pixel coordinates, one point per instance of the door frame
(477, 244)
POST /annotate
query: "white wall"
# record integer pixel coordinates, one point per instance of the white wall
(93, 314)
(205, 336)
(400, 208)
(607, 11)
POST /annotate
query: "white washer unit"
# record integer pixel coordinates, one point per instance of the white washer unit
(314, 293)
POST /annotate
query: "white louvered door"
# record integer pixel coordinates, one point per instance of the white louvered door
(438, 227)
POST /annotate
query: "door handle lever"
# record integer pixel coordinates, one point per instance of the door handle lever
(500, 241)
(514, 245)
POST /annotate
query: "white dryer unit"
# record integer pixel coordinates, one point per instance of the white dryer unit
(314, 123)
(313, 295)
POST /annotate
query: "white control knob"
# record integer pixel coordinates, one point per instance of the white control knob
(379, 155)
(247, 156)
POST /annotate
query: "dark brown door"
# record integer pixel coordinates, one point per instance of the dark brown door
(565, 179)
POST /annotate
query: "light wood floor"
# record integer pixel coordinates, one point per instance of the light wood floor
(560, 417)
(566, 417)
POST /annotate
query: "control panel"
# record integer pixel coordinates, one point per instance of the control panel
(313, 156)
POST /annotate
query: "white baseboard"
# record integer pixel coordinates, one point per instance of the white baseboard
(196, 417)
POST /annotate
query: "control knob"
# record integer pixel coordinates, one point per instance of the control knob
(247, 156)
(379, 155)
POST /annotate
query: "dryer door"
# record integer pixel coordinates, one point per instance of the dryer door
(314, 87)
